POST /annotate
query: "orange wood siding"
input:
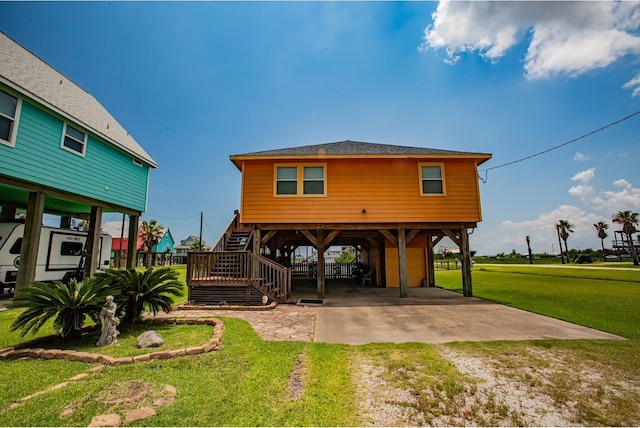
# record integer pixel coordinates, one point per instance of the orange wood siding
(389, 190)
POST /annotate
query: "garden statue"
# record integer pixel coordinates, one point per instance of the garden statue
(109, 334)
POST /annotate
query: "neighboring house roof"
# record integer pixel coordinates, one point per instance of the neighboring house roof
(350, 148)
(28, 74)
(189, 241)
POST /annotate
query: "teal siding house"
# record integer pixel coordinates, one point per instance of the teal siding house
(62, 153)
(166, 244)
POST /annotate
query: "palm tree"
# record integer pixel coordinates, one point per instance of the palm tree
(69, 305)
(601, 229)
(629, 221)
(560, 243)
(152, 287)
(564, 229)
(198, 246)
(151, 233)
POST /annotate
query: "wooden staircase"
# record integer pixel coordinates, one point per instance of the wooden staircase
(232, 274)
(239, 240)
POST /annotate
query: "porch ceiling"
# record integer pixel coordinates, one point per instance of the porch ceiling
(13, 193)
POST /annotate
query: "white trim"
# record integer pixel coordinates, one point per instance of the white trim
(16, 121)
(137, 162)
(69, 149)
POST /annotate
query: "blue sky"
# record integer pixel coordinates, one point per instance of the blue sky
(194, 83)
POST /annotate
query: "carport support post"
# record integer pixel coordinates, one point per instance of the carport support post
(8, 212)
(30, 240)
(93, 242)
(320, 267)
(431, 271)
(402, 262)
(132, 242)
(467, 289)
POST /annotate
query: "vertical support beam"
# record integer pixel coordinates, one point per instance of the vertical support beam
(65, 222)
(93, 242)
(377, 262)
(8, 212)
(467, 289)
(255, 268)
(30, 240)
(320, 249)
(402, 262)
(132, 242)
(431, 270)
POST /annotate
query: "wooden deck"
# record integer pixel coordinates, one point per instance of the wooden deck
(213, 275)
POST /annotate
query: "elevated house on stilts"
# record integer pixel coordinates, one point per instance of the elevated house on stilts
(392, 203)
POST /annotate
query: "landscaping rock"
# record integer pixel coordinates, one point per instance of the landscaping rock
(137, 414)
(110, 420)
(149, 339)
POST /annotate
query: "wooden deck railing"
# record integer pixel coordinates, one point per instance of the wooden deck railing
(239, 267)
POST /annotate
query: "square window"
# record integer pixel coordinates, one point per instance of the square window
(432, 180)
(313, 183)
(74, 140)
(286, 180)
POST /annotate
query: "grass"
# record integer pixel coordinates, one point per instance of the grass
(243, 384)
(603, 299)
(247, 382)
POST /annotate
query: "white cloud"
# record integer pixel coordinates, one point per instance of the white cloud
(581, 157)
(565, 37)
(633, 85)
(583, 192)
(585, 176)
(542, 231)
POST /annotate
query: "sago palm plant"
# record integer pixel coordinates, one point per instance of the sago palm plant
(152, 287)
(68, 305)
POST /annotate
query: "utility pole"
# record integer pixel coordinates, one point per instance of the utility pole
(201, 220)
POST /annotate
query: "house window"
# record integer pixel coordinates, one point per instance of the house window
(313, 180)
(287, 180)
(74, 140)
(432, 179)
(307, 180)
(9, 112)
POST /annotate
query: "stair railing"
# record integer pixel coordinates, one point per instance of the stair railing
(224, 238)
(271, 278)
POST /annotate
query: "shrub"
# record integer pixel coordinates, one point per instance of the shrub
(582, 259)
(68, 304)
(152, 287)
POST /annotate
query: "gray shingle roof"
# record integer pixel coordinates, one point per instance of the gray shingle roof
(28, 74)
(357, 148)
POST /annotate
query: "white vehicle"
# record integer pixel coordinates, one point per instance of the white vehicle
(60, 253)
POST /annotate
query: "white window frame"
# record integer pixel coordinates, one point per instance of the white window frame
(69, 149)
(16, 119)
(300, 180)
(442, 178)
(137, 162)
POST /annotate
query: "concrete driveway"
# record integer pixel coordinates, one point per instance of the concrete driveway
(432, 315)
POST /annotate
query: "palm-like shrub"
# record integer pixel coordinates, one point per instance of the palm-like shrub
(152, 287)
(68, 305)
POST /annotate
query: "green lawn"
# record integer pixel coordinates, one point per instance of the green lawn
(246, 382)
(600, 298)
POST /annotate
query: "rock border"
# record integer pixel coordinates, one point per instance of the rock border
(26, 349)
(190, 306)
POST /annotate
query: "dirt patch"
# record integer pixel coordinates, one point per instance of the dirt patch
(526, 387)
(296, 388)
(125, 399)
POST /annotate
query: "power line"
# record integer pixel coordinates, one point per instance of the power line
(173, 218)
(486, 171)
